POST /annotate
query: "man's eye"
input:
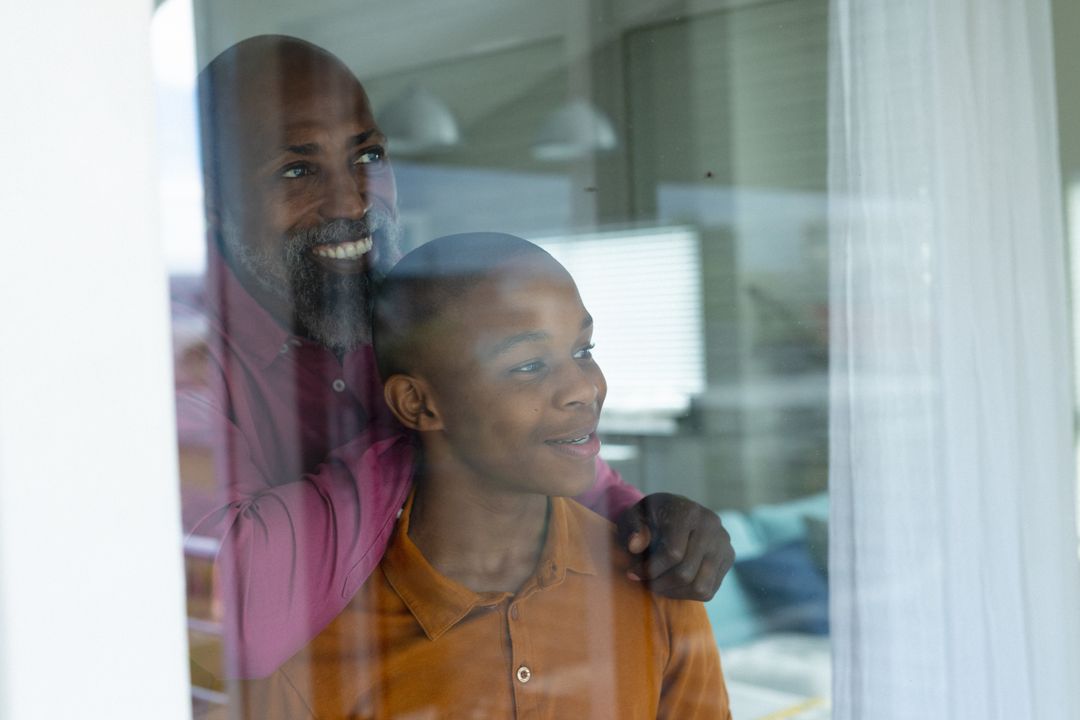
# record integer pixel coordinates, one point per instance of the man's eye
(370, 156)
(295, 171)
(584, 353)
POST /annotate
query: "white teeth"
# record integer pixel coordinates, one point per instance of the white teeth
(345, 251)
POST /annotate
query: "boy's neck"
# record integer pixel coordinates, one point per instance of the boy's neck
(484, 540)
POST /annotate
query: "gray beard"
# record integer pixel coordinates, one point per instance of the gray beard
(332, 309)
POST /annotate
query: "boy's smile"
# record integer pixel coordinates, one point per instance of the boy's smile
(586, 445)
(516, 385)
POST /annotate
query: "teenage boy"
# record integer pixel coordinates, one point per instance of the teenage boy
(498, 596)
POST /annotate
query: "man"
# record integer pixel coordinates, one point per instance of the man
(301, 210)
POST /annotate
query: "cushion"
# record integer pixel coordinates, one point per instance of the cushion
(788, 590)
(745, 535)
(784, 522)
(732, 612)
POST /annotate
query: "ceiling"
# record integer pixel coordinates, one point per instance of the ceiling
(379, 37)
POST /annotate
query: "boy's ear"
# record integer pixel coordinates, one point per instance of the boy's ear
(410, 399)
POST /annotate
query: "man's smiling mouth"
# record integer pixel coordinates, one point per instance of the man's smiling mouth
(346, 250)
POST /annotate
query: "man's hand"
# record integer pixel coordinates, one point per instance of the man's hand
(681, 549)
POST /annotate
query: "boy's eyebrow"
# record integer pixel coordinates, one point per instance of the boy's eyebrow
(534, 336)
(506, 344)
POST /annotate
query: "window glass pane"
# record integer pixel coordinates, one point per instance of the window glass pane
(673, 160)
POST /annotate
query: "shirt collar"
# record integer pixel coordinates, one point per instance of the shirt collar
(564, 549)
(438, 603)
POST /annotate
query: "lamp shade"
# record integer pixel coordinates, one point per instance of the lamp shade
(573, 131)
(418, 121)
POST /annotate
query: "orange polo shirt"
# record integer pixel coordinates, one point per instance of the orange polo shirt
(578, 640)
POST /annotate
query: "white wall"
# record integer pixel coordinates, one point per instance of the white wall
(91, 600)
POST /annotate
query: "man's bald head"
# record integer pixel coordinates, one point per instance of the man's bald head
(246, 85)
(300, 194)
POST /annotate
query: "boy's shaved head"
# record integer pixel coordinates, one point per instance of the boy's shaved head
(485, 349)
(429, 282)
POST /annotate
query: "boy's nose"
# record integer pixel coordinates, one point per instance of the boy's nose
(580, 386)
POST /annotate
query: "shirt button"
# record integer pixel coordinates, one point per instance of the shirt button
(338, 385)
(524, 674)
(514, 615)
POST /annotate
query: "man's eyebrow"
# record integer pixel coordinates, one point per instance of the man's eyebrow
(363, 137)
(305, 149)
(314, 148)
(587, 322)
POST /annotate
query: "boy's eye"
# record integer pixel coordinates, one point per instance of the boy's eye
(370, 156)
(533, 366)
(296, 171)
(584, 353)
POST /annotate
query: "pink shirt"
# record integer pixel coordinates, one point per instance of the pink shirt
(296, 436)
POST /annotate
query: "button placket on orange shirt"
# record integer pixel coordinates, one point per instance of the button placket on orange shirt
(527, 675)
(521, 670)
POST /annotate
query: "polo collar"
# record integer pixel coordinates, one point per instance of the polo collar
(438, 603)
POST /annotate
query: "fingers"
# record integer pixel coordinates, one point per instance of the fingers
(655, 516)
(634, 522)
(691, 552)
(676, 572)
(685, 582)
(639, 540)
(672, 550)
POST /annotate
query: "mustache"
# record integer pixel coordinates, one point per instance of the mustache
(340, 230)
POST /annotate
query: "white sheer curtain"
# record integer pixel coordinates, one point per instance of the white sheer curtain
(955, 578)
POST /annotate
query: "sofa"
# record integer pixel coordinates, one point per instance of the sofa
(770, 615)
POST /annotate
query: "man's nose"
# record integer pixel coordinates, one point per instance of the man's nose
(346, 196)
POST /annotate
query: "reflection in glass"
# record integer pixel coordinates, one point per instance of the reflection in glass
(693, 215)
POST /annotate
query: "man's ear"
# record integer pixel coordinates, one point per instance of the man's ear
(410, 399)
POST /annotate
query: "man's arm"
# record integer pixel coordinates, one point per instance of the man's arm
(292, 555)
(681, 548)
(610, 495)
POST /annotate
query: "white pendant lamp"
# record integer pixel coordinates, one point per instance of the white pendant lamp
(417, 122)
(573, 131)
